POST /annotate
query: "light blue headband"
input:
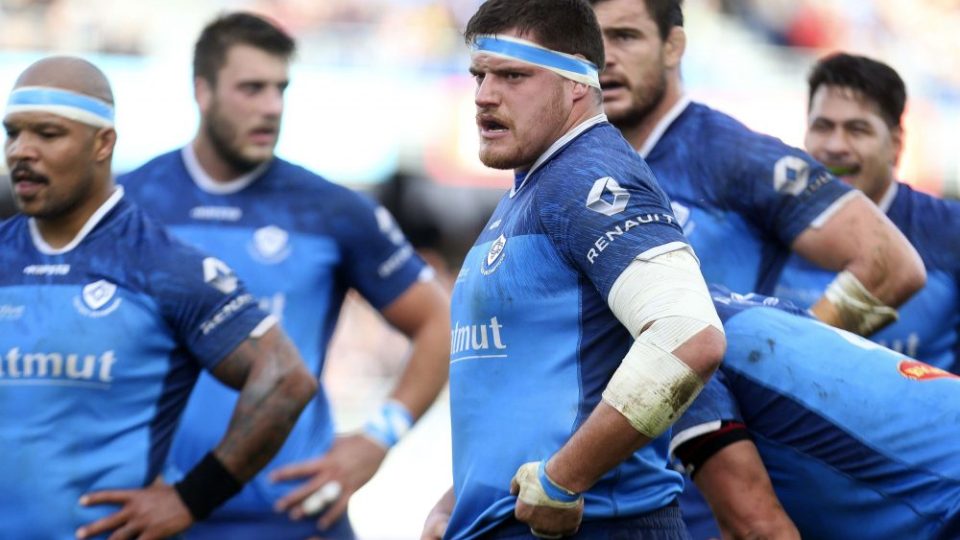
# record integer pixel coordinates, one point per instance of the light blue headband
(71, 105)
(565, 65)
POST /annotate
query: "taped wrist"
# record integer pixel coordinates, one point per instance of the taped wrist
(651, 388)
(207, 486)
(388, 424)
(859, 310)
(537, 489)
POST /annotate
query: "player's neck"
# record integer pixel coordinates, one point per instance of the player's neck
(60, 230)
(217, 168)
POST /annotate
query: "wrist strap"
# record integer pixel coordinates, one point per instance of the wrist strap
(388, 424)
(208, 485)
(554, 491)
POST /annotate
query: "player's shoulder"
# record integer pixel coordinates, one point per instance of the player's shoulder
(301, 182)
(13, 234)
(147, 243)
(600, 153)
(161, 165)
(931, 223)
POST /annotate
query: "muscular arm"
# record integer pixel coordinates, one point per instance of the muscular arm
(422, 313)
(607, 437)
(274, 387)
(735, 483)
(859, 238)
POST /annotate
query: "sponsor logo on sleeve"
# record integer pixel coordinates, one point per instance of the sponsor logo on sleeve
(97, 299)
(494, 257)
(918, 371)
(227, 311)
(609, 237)
(388, 226)
(607, 197)
(791, 175)
(218, 275)
(270, 244)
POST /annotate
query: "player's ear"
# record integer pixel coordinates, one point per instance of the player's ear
(674, 47)
(896, 139)
(202, 92)
(580, 90)
(103, 142)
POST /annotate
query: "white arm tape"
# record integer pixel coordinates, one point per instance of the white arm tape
(668, 285)
(859, 310)
(651, 388)
(667, 295)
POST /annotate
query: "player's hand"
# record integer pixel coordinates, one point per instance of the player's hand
(351, 463)
(436, 524)
(145, 514)
(547, 517)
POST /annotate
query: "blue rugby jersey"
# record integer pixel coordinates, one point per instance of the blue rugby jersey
(533, 341)
(299, 242)
(741, 197)
(100, 344)
(859, 440)
(929, 322)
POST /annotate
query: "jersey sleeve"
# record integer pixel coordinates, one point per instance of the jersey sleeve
(781, 188)
(201, 298)
(602, 224)
(714, 405)
(379, 261)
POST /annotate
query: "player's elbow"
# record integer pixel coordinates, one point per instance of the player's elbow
(299, 385)
(704, 351)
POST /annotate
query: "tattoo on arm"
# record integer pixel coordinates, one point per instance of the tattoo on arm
(274, 387)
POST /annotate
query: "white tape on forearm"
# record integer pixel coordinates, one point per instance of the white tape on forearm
(651, 388)
(859, 310)
(668, 285)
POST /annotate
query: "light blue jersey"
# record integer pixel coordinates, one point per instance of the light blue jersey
(533, 340)
(741, 197)
(299, 242)
(859, 440)
(100, 344)
(929, 323)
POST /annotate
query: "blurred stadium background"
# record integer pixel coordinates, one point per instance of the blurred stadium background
(380, 100)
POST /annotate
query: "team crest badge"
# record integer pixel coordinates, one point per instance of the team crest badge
(494, 257)
(270, 244)
(97, 299)
(919, 371)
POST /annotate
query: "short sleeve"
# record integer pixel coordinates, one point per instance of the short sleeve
(204, 302)
(714, 404)
(379, 261)
(602, 224)
(781, 188)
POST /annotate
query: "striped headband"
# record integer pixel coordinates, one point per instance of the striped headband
(565, 65)
(71, 105)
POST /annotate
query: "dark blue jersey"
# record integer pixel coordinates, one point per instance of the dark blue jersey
(534, 342)
(100, 344)
(742, 197)
(859, 440)
(299, 242)
(929, 323)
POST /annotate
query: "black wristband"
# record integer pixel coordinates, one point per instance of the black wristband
(207, 486)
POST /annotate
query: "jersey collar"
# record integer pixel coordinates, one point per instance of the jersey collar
(520, 179)
(45, 248)
(662, 125)
(887, 200)
(205, 182)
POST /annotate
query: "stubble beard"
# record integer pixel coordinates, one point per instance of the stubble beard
(221, 133)
(641, 109)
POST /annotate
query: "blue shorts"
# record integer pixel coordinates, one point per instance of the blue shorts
(263, 526)
(662, 524)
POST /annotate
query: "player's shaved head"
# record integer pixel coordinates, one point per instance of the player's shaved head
(67, 73)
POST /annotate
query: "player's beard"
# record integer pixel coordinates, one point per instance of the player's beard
(646, 100)
(221, 133)
(521, 156)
